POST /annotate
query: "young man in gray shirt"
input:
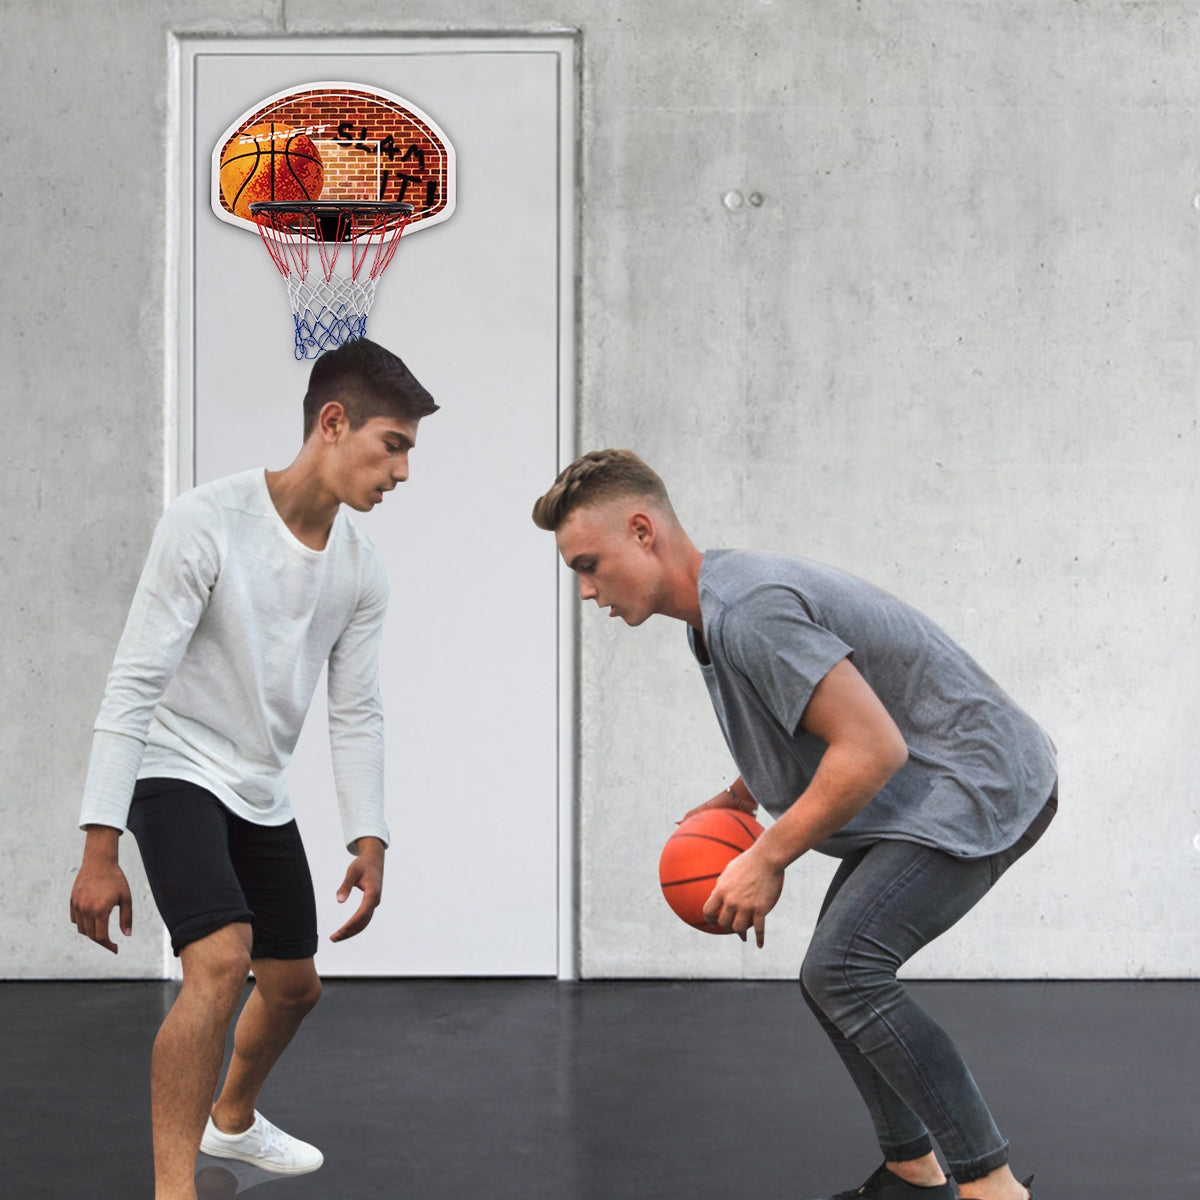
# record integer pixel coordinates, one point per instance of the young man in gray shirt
(870, 736)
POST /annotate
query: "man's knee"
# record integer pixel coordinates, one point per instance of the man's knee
(303, 999)
(817, 980)
(847, 984)
(289, 987)
(219, 963)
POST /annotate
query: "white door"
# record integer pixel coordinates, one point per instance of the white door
(470, 670)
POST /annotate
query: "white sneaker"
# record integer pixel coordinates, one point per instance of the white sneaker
(265, 1146)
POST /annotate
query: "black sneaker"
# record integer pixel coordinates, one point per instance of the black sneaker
(884, 1185)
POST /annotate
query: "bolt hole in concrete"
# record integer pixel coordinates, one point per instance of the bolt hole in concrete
(735, 200)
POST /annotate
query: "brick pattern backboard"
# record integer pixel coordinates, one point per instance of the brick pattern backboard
(373, 146)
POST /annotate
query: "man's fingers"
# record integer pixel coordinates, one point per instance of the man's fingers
(740, 922)
(127, 915)
(741, 925)
(362, 917)
(723, 916)
(100, 933)
(93, 924)
(347, 930)
(356, 924)
(353, 880)
(97, 930)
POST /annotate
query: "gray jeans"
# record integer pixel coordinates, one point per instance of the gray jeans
(884, 904)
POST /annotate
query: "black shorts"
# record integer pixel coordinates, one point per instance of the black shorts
(209, 868)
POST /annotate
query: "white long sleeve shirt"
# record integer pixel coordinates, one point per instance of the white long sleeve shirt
(231, 624)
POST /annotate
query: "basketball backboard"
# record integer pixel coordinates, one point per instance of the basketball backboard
(370, 145)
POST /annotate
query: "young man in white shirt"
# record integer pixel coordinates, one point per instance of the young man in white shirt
(253, 583)
(870, 736)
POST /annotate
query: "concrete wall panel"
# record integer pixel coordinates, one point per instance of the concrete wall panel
(954, 349)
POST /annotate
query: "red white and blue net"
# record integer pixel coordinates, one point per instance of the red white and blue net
(330, 292)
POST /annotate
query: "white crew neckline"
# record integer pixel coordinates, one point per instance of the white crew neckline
(280, 524)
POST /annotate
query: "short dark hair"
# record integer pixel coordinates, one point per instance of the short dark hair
(367, 381)
(595, 478)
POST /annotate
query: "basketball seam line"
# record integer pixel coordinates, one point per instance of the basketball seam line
(708, 837)
(736, 816)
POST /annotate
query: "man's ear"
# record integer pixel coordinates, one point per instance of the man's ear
(332, 421)
(641, 526)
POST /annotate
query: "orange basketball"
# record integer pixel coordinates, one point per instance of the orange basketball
(696, 854)
(266, 162)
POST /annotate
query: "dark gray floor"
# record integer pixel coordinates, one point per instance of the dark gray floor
(609, 1091)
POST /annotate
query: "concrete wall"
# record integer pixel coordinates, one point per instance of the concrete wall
(954, 350)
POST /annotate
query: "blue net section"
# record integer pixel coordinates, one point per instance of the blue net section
(321, 330)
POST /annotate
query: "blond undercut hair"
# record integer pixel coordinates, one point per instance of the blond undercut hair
(595, 478)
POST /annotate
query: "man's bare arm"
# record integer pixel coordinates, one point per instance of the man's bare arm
(864, 749)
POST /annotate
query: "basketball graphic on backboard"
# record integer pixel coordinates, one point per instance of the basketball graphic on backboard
(340, 168)
(267, 163)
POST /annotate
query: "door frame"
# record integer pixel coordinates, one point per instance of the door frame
(179, 366)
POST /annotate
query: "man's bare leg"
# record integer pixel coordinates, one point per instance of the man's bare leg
(188, 1052)
(921, 1172)
(1001, 1184)
(285, 992)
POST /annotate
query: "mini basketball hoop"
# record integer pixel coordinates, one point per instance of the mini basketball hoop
(355, 243)
(345, 168)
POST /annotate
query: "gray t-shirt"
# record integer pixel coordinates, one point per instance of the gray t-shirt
(979, 769)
